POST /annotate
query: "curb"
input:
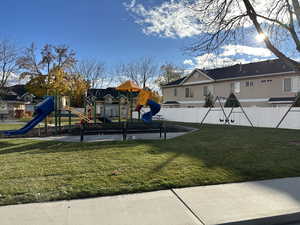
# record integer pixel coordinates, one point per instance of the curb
(287, 219)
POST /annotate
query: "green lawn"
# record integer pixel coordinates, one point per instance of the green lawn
(64, 122)
(34, 171)
(10, 126)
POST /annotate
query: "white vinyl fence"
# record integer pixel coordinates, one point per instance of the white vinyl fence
(260, 117)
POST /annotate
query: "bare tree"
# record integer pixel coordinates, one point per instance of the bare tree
(8, 62)
(226, 21)
(169, 72)
(42, 69)
(50, 57)
(142, 71)
(94, 72)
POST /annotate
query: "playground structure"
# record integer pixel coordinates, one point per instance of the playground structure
(90, 121)
(43, 109)
(231, 102)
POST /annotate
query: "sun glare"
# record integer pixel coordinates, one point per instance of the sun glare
(260, 37)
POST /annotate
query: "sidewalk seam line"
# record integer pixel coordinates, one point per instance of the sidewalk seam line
(186, 205)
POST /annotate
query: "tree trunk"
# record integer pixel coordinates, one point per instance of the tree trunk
(253, 16)
(297, 10)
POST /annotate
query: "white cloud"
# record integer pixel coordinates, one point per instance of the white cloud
(13, 79)
(231, 54)
(174, 18)
(130, 4)
(209, 61)
(188, 62)
(231, 50)
(171, 19)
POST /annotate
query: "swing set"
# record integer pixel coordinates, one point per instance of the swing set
(231, 102)
(295, 104)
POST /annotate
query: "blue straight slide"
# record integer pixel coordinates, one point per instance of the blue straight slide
(154, 109)
(42, 110)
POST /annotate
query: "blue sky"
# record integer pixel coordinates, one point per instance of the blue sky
(102, 30)
(119, 31)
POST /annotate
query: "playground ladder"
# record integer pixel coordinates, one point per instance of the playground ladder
(79, 114)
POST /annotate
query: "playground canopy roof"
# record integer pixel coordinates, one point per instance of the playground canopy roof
(129, 86)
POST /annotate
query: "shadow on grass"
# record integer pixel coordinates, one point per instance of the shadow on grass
(9, 148)
(165, 163)
(248, 154)
(5, 144)
(45, 147)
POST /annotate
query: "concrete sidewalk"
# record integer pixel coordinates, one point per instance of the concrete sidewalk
(110, 137)
(262, 202)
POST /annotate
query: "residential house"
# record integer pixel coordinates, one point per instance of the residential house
(16, 102)
(112, 103)
(265, 84)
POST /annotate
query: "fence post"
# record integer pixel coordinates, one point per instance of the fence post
(160, 130)
(165, 131)
(124, 129)
(81, 132)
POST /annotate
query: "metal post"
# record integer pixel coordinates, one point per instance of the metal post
(247, 116)
(104, 111)
(208, 111)
(119, 110)
(39, 130)
(284, 115)
(222, 108)
(160, 130)
(131, 105)
(228, 117)
(165, 131)
(95, 112)
(70, 122)
(124, 129)
(55, 114)
(81, 132)
(59, 121)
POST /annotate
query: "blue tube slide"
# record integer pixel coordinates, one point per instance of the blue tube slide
(154, 109)
(42, 110)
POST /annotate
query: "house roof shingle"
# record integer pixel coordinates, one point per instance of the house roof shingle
(171, 103)
(8, 97)
(101, 93)
(175, 82)
(243, 70)
(282, 99)
(19, 89)
(249, 69)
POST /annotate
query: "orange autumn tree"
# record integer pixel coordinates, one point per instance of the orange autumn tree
(59, 82)
(78, 89)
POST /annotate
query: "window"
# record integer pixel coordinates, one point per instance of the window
(232, 87)
(266, 81)
(249, 83)
(205, 91)
(291, 84)
(188, 93)
(175, 91)
(287, 84)
(235, 87)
